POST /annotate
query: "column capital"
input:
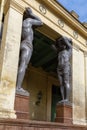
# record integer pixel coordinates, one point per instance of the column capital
(13, 4)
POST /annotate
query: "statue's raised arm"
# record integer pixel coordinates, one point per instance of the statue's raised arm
(1, 29)
(34, 19)
(68, 42)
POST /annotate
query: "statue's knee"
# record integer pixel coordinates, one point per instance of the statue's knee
(66, 83)
(21, 70)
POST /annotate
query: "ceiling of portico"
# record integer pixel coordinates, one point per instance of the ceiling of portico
(48, 32)
(43, 55)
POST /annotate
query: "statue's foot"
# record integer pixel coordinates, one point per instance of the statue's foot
(22, 91)
(63, 101)
(66, 100)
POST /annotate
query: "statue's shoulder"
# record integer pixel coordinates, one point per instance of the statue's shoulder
(26, 22)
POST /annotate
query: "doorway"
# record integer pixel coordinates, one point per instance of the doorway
(56, 96)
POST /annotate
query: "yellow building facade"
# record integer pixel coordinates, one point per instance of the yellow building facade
(57, 21)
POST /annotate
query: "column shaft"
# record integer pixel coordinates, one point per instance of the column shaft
(9, 61)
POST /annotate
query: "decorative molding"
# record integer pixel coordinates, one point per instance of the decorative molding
(75, 34)
(42, 9)
(61, 23)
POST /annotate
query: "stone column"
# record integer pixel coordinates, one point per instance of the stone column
(9, 58)
(75, 78)
(78, 86)
(86, 83)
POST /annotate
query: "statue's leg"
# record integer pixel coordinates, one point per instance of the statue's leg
(21, 73)
(67, 86)
(62, 91)
(22, 66)
(61, 84)
(29, 55)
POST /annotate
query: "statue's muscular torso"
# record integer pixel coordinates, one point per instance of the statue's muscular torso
(27, 31)
(63, 58)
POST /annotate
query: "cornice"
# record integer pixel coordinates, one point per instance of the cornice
(66, 15)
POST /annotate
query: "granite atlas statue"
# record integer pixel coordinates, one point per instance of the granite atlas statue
(26, 48)
(63, 47)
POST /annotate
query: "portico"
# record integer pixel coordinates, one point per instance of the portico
(57, 21)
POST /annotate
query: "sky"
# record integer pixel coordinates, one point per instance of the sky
(79, 6)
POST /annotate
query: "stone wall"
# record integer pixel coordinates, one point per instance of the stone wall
(37, 80)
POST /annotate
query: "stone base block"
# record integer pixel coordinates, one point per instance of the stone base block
(37, 125)
(22, 106)
(63, 113)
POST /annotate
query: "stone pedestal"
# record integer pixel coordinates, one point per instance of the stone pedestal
(64, 113)
(22, 106)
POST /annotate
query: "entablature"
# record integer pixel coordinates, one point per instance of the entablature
(57, 21)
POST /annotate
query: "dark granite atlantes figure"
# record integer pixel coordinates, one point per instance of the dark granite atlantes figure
(26, 48)
(1, 29)
(64, 48)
